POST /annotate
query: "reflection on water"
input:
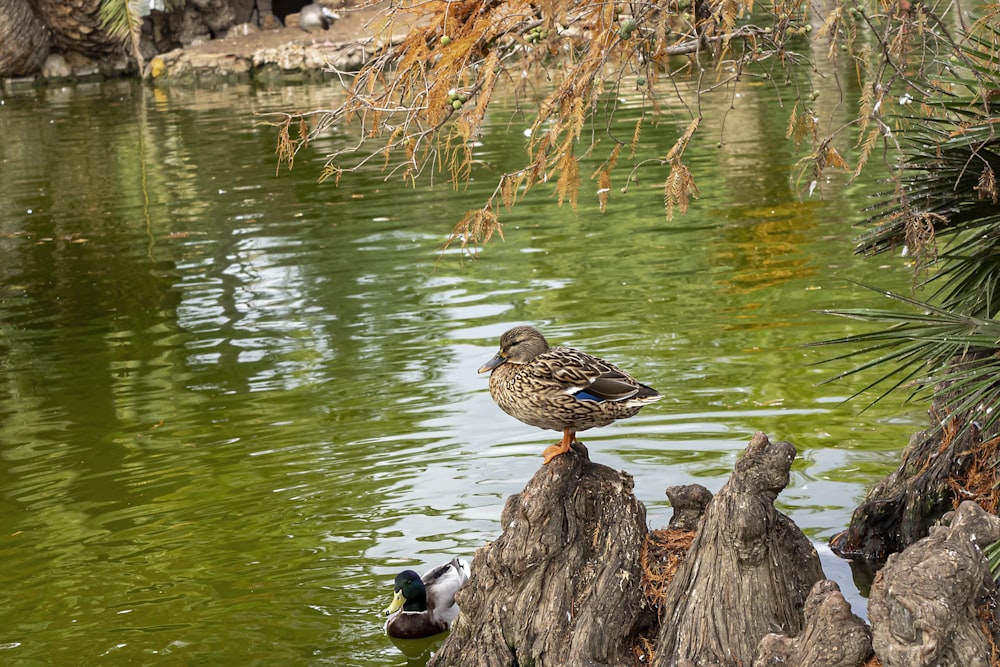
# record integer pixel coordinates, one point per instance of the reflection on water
(235, 403)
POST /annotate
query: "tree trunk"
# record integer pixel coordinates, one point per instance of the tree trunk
(217, 15)
(75, 26)
(562, 584)
(24, 43)
(265, 15)
(747, 573)
(930, 604)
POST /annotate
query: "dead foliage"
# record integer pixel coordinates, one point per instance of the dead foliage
(662, 554)
(418, 106)
(644, 651)
(980, 481)
(442, 67)
(986, 614)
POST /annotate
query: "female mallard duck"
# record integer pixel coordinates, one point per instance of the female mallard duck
(559, 388)
(425, 606)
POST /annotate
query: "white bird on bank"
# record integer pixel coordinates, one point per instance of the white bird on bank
(316, 17)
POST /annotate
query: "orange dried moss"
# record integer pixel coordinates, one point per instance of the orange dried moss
(981, 479)
(662, 553)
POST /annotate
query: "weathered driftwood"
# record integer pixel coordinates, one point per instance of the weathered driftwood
(930, 604)
(833, 636)
(561, 585)
(747, 573)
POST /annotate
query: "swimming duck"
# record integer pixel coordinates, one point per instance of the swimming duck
(425, 606)
(559, 388)
(316, 17)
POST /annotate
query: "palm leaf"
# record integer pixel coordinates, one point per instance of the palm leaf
(992, 553)
(122, 18)
(944, 208)
(929, 349)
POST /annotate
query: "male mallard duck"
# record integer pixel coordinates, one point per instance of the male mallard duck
(316, 17)
(559, 388)
(425, 606)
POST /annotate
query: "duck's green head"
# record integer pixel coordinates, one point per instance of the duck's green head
(410, 593)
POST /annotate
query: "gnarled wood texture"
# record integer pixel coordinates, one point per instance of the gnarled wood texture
(747, 573)
(952, 459)
(75, 26)
(930, 603)
(24, 41)
(561, 585)
(833, 636)
(900, 509)
(689, 502)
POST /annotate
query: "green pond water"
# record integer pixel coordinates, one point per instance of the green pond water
(235, 402)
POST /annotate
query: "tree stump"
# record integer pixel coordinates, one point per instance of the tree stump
(833, 636)
(956, 460)
(748, 572)
(689, 502)
(900, 509)
(561, 585)
(930, 604)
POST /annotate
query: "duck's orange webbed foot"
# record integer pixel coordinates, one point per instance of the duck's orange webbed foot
(560, 447)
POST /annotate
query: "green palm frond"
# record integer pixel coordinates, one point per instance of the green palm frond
(949, 180)
(122, 18)
(931, 351)
(992, 553)
(945, 182)
(944, 210)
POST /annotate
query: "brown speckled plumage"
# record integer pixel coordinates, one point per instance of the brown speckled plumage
(559, 388)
